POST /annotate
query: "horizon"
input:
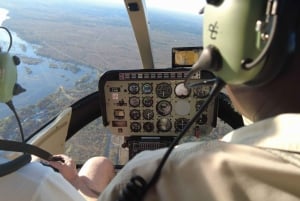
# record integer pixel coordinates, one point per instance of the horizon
(188, 6)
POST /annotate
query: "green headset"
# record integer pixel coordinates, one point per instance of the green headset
(248, 41)
(8, 72)
(9, 88)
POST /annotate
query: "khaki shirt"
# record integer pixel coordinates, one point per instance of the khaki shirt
(251, 163)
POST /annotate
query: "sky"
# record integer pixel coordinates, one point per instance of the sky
(186, 6)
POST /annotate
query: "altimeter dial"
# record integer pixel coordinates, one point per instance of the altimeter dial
(163, 90)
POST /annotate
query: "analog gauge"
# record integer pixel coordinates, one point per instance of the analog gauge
(135, 114)
(164, 125)
(163, 90)
(134, 101)
(180, 124)
(147, 88)
(181, 91)
(202, 119)
(133, 88)
(148, 127)
(202, 91)
(164, 107)
(148, 114)
(199, 104)
(148, 101)
(135, 127)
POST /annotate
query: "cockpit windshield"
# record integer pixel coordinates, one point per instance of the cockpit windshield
(64, 47)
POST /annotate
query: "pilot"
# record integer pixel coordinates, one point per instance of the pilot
(260, 161)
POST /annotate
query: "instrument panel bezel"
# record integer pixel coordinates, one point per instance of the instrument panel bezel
(138, 75)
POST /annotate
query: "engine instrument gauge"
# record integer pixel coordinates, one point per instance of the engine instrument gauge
(134, 101)
(163, 90)
(148, 114)
(148, 127)
(135, 127)
(164, 107)
(202, 119)
(199, 104)
(164, 125)
(133, 88)
(147, 88)
(148, 101)
(202, 91)
(135, 114)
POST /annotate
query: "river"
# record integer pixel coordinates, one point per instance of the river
(39, 75)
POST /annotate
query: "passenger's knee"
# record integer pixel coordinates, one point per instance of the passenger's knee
(100, 161)
(99, 164)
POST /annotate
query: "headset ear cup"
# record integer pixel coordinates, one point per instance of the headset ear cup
(280, 52)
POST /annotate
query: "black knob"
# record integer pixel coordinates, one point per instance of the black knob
(16, 60)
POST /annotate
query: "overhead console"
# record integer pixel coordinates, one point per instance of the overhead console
(154, 102)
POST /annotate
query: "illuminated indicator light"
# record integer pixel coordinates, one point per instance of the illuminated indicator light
(119, 114)
(115, 96)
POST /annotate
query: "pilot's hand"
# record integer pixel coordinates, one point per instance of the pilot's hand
(66, 166)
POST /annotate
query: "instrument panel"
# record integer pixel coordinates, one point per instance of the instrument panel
(154, 102)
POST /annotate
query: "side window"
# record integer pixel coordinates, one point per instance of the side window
(96, 140)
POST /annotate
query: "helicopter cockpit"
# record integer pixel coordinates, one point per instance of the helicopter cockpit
(75, 84)
(141, 109)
